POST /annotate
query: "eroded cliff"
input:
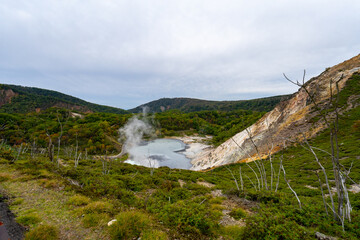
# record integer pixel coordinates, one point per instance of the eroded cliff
(289, 120)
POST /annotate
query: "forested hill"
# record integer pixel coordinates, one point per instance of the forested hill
(18, 99)
(193, 105)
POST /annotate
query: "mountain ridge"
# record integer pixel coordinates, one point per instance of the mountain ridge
(193, 104)
(20, 99)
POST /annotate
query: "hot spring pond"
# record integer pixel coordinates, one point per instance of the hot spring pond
(160, 152)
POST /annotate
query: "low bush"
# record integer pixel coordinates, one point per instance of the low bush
(17, 201)
(238, 213)
(130, 225)
(43, 232)
(78, 200)
(233, 232)
(98, 207)
(4, 177)
(154, 235)
(94, 219)
(29, 219)
(190, 217)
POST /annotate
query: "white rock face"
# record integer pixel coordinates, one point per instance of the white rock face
(289, 120)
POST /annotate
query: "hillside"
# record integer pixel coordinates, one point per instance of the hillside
(73, 190)
(291, 119)
(19, 99)
(193, 105)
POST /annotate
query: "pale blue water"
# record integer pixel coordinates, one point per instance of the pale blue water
(160, 152)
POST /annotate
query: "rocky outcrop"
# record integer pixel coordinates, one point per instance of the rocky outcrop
(6, 95)
(287, 121)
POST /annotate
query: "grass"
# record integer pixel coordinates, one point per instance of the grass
(46, 205)
(43, 232)
(149, 206)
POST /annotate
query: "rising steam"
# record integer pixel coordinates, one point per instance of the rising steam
(132, 133)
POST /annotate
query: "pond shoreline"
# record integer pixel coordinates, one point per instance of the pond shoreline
(196, 147)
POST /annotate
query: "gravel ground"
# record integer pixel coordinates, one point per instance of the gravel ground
(14, 230)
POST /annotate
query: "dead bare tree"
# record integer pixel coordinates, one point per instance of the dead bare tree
(262, 169)
(33, 149)
(77, 158)
(59, 139)
(332, 124)
(278, 180)
(252, 160)
(322, 192)
(236, 182)
(287, 182)
(241, 180)
(324, 172)
(50, 148)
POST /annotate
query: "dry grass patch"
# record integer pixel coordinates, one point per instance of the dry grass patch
(50, 205)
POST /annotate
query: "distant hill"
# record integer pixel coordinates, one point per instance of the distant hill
(19, 99)
(193, 105)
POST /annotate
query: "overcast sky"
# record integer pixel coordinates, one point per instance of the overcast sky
(126, 53)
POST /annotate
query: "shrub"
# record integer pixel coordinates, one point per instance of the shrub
(43, 232)
(130, 225)
(47, 183)
(216, 200)
(98, 207)
(238, 213)
(29, 219)
(93, 219)
(233, 232)
(78, 200)
(17, 201)
(154, 235)
(190, 217)
(4, 177)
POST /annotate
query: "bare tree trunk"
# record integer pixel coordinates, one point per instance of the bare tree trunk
(77, 145)
(252, 183)
(254, 173)
(278, 180)
(324, 172)
(241, 180)
(290, 186)
(253, 160)
(33, 149)
(261, 163)
(236, 182)
(50, 148)
(322, 193)
(59, 140)
(334, 128)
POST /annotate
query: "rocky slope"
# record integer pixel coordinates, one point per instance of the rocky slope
(287, 121)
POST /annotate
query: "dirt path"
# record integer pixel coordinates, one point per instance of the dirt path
(14, 230)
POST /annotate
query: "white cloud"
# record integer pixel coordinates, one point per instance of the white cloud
(150, 49)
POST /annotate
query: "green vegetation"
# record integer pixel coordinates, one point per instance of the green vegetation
(29, 219)
(221, 125)
(43, 232)
(238, 213)
(79, 200)
(157, 206)
(30, 98)
(130, 225)
(195, 105)
(98, 132)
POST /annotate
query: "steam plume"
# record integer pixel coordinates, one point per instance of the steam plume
(132, 134)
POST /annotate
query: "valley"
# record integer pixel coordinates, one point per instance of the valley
(264, 172)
